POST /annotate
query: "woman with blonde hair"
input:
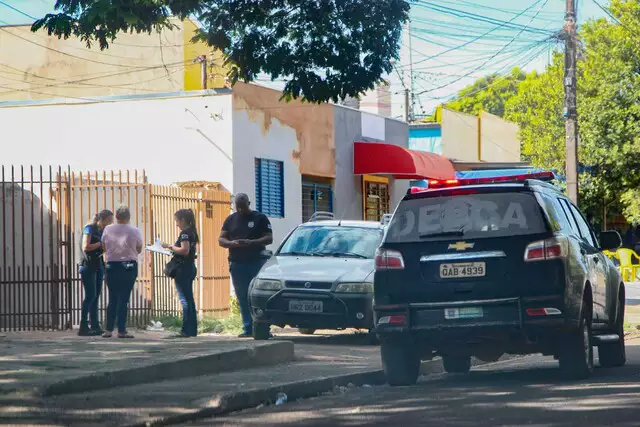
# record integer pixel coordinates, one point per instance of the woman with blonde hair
(122, 244)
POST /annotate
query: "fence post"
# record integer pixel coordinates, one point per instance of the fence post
(69, 247)
(149, 217)
(200, 259)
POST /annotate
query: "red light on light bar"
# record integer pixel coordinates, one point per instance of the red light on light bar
(415, 190)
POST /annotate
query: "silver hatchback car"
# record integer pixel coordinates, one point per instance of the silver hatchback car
(321, 277)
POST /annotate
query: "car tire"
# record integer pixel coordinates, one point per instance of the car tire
(306, 331)
(576, 351)
(261, 331)
(456, 364)
(372, 337)
(613, 355)
(400, 362)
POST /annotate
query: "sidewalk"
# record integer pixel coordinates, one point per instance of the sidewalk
(47, 363)
(31, 362)
(320, 366)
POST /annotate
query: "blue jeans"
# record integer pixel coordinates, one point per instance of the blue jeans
(92, 284)
(121, 277)
(242, 274)
(184, 285)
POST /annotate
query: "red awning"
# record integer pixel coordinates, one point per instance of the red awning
(374, 158)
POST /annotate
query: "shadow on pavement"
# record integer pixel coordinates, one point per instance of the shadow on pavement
(532, 394)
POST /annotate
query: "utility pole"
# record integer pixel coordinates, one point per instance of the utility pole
(411, 86)
(407, 106)
(202, 59)
(570, 104)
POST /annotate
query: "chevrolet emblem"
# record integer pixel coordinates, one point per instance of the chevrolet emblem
(461, 246)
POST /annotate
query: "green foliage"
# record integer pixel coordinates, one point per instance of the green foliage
(608, 112)
(489, 93)
(631, 202)
(327, 50)
(231, 324)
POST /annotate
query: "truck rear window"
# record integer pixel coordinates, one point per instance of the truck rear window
(469, 216)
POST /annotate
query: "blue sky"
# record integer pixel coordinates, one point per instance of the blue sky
(453, 42)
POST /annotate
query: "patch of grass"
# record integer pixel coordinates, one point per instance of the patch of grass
(231, 324)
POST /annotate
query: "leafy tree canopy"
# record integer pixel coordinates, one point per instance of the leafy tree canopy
(489, 93)
(608, 112)
(326, 49)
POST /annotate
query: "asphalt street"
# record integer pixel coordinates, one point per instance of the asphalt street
(521, 392)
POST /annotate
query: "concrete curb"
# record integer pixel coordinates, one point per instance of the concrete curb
(271, 353)
(233, 402)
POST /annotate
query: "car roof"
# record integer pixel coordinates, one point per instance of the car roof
(534, 185)
(344, 223)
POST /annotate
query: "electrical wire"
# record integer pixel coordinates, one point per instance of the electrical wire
(15, 9)
(478, 37)
(492, 57)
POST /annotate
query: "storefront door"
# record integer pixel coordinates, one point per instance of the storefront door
(375, 197)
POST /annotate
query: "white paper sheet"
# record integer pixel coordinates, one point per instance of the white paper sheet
(157, 247)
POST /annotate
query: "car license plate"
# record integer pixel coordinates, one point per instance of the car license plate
(305, 306)
(462, 270)
(463, 313)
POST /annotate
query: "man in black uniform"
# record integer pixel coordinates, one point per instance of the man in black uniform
(246, 233)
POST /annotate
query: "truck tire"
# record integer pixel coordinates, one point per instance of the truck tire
(613, 355)
(261, 331)
(456, 364)
(306, 331)
(576, 350)
(400, 362)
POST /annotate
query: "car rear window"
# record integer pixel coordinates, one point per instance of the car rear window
(469, 216)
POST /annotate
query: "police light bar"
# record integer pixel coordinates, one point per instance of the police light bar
(436, 183)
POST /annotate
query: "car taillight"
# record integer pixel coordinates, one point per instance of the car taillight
(387, 259)
(546, 249)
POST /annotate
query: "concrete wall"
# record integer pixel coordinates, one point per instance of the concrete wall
(347, 191)
(294, 133)
(499, 139)
(174, 139)
(351, 126)
(37, 66)
(426, 137)
(397, 133)
(459, 136)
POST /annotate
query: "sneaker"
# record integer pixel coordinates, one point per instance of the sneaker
(125, 335)
(107, 334)
(245, 335)
(84, 331)
(97, 330)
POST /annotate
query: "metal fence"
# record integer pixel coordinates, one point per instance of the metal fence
(42, 215)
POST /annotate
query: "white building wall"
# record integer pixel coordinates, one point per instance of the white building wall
(174, 139)
(275, 141)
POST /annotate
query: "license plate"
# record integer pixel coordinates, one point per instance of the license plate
(463, 313)
(462, 270)
(305, 306)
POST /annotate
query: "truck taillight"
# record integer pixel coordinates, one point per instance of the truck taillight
(387, 259)
(542, 250)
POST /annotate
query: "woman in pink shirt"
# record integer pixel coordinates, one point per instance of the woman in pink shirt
(122, 244)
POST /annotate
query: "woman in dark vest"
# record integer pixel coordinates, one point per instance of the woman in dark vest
(92, 271)
(185, 251)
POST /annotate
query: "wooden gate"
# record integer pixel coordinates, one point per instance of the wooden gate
(211, 288)
(42, 215)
